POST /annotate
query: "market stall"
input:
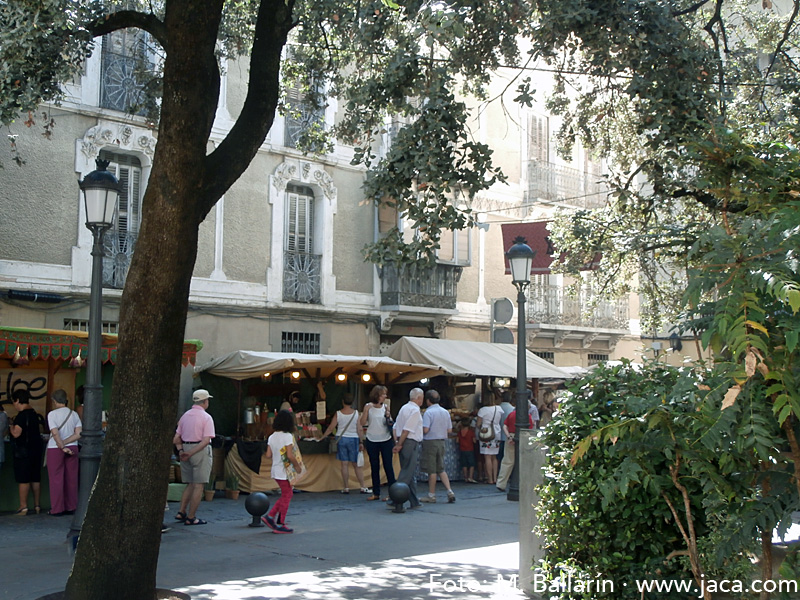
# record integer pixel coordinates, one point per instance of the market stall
(42, 361)
(252, 385)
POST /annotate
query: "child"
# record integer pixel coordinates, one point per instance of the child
(281, 439)
(466, 447)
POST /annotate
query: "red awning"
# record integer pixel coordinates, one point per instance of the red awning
(43, 344)
(537, 236)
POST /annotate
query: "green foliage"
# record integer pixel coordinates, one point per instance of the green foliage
(42, 44)
(633, 446)
(599, 514)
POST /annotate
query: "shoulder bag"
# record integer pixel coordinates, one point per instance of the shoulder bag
(333, 443)
(486, 434)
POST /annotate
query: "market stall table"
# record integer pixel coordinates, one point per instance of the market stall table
(324, 473)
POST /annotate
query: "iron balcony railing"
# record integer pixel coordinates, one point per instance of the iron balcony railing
(118, 249)
(553, 305)
(302, 280)
(557, 183)
(420, 286)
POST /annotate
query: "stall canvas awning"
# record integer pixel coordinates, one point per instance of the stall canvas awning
(44, 344)
(472, 359)
(245, 364)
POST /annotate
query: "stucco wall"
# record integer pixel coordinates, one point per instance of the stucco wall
(353, 228)
(40, 199)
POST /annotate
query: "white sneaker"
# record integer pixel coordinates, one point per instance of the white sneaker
(451, 496)
(430, 499)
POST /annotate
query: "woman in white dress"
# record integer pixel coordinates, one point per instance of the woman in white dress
(490, 416)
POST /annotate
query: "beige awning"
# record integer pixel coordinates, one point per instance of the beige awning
(245, 364)
(472, 359)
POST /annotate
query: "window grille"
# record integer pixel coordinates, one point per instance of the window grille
(83, 325)
(595, 359)
(125, 69)
(301, 118)
(120, 241)
(302, 343)
(548, 356)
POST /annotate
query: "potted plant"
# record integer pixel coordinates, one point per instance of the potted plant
(232, 486)
(208, 492)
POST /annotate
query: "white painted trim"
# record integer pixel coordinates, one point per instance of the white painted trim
(219, 229)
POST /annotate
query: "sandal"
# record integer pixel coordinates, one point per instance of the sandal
(180, 516)
(345, 491)
(22, 512)
(37, 509)
(195, 521)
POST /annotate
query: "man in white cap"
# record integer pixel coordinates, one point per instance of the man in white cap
(193, 440)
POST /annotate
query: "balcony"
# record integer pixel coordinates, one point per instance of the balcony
(302, 280)
(419, 293)
(118, 249)
(552, 312)
(557, 183)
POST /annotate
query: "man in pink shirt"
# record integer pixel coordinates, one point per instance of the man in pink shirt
(193, 440)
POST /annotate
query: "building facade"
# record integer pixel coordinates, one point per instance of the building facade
(280, 265)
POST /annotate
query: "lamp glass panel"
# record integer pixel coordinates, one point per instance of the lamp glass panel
(100, 205)
(520, 268)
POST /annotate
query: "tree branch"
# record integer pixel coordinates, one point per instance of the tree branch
(123, 19)
(227, 162)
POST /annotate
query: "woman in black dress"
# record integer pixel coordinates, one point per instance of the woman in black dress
(28, 451)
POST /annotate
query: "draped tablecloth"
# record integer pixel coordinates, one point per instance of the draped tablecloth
(324, 473)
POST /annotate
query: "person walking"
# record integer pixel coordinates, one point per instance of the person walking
(378, 438)
(408, 431)
(193, 441)
(28, 451)
(349, 444)
(280, 444)
(62, 456)
(436, 429)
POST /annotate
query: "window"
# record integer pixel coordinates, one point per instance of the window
(302, 269)
(303, 343)
(83, 325)
(454, 247)
(301, 119)
(125, 70)
(538, 139)
(548, 356)
(119, 242)
(597, 358)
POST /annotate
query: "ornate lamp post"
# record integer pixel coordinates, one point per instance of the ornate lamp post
(100, 193)
(520, 256)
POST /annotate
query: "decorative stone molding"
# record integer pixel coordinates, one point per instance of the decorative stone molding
(387, 318)
(283, 175)
(119, 135)
(438, 324)
(559, 338)
(589, 339)
(325, 181)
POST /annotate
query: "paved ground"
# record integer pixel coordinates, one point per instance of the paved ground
(343, 547)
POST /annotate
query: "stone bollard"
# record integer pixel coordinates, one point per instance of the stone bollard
(532, 460)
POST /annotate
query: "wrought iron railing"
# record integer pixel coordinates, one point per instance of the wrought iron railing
(302, 277)
(553, 305)
(118, 249)
(421, 286)
(557, 183)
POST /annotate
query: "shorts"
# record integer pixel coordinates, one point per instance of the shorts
(466, 458)
(432, 460)
(198, 468)
(347, 449)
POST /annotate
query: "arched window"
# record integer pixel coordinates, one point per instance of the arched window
(302, 267)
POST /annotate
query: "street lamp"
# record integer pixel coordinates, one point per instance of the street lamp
(520, 256)
(100, 192)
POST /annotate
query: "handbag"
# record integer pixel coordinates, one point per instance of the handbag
(360, 461)
(486, 434)
(333, 443)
